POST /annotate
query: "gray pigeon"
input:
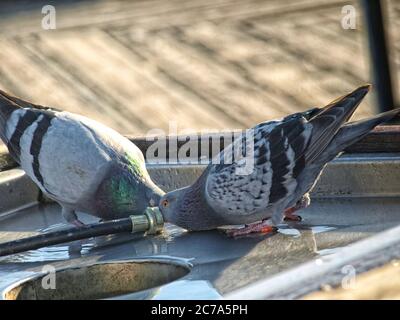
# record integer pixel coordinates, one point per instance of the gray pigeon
(78, 162)
(289, 156)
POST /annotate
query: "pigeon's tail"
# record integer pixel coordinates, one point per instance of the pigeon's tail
(21, 103)
(7, 107)
(18, 123)
(327, 121)
(354, 131)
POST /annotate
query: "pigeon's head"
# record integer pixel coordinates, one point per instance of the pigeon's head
(187, 209)
(170, 205)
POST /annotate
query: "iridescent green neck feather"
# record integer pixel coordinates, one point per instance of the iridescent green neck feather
(123, 191)
(135, 166)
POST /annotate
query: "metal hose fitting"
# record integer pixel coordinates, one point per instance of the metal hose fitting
(151, 222)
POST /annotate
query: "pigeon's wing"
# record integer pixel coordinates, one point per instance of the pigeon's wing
(64, 154)
(76, 153)
(279, 149)
(60, 154)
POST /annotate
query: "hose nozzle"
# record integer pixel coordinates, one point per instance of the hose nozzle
(151, 222)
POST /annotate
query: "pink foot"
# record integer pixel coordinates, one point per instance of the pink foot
(259, 227)
(289, 216)
(303, 203)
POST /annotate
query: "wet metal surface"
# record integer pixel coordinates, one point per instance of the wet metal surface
(218, 264)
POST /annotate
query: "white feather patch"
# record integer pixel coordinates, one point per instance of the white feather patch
(12, 122)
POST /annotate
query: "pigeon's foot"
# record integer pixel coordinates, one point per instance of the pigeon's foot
(258, 227)
(71, 217)
(290, 216)
(77, 223)
(303, 203)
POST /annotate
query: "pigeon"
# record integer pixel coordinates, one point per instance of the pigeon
(288, 158)
(78, 162)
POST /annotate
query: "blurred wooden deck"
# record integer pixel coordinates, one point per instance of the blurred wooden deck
(136, 65)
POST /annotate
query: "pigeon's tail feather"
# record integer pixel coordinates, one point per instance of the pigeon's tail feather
(7, 107)
(327, 121)
(21, 103)
(355, 131)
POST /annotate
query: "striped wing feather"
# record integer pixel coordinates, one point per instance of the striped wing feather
(58, 152)
(279, 149)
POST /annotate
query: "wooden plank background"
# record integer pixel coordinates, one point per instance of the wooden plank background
(216, 64)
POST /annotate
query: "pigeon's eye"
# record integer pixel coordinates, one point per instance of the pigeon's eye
(165, 203)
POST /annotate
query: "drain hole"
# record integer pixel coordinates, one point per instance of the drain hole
(99, 281)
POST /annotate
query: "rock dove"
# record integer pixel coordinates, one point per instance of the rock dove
(289, 156)
(78, 162)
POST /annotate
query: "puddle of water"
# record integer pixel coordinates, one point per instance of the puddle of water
(320, 229)
(294, 232)
(54, 253)
(177, 290)
(328, 251)
(182, 289)
(55, 227)
(289, 232)
(171, 231)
